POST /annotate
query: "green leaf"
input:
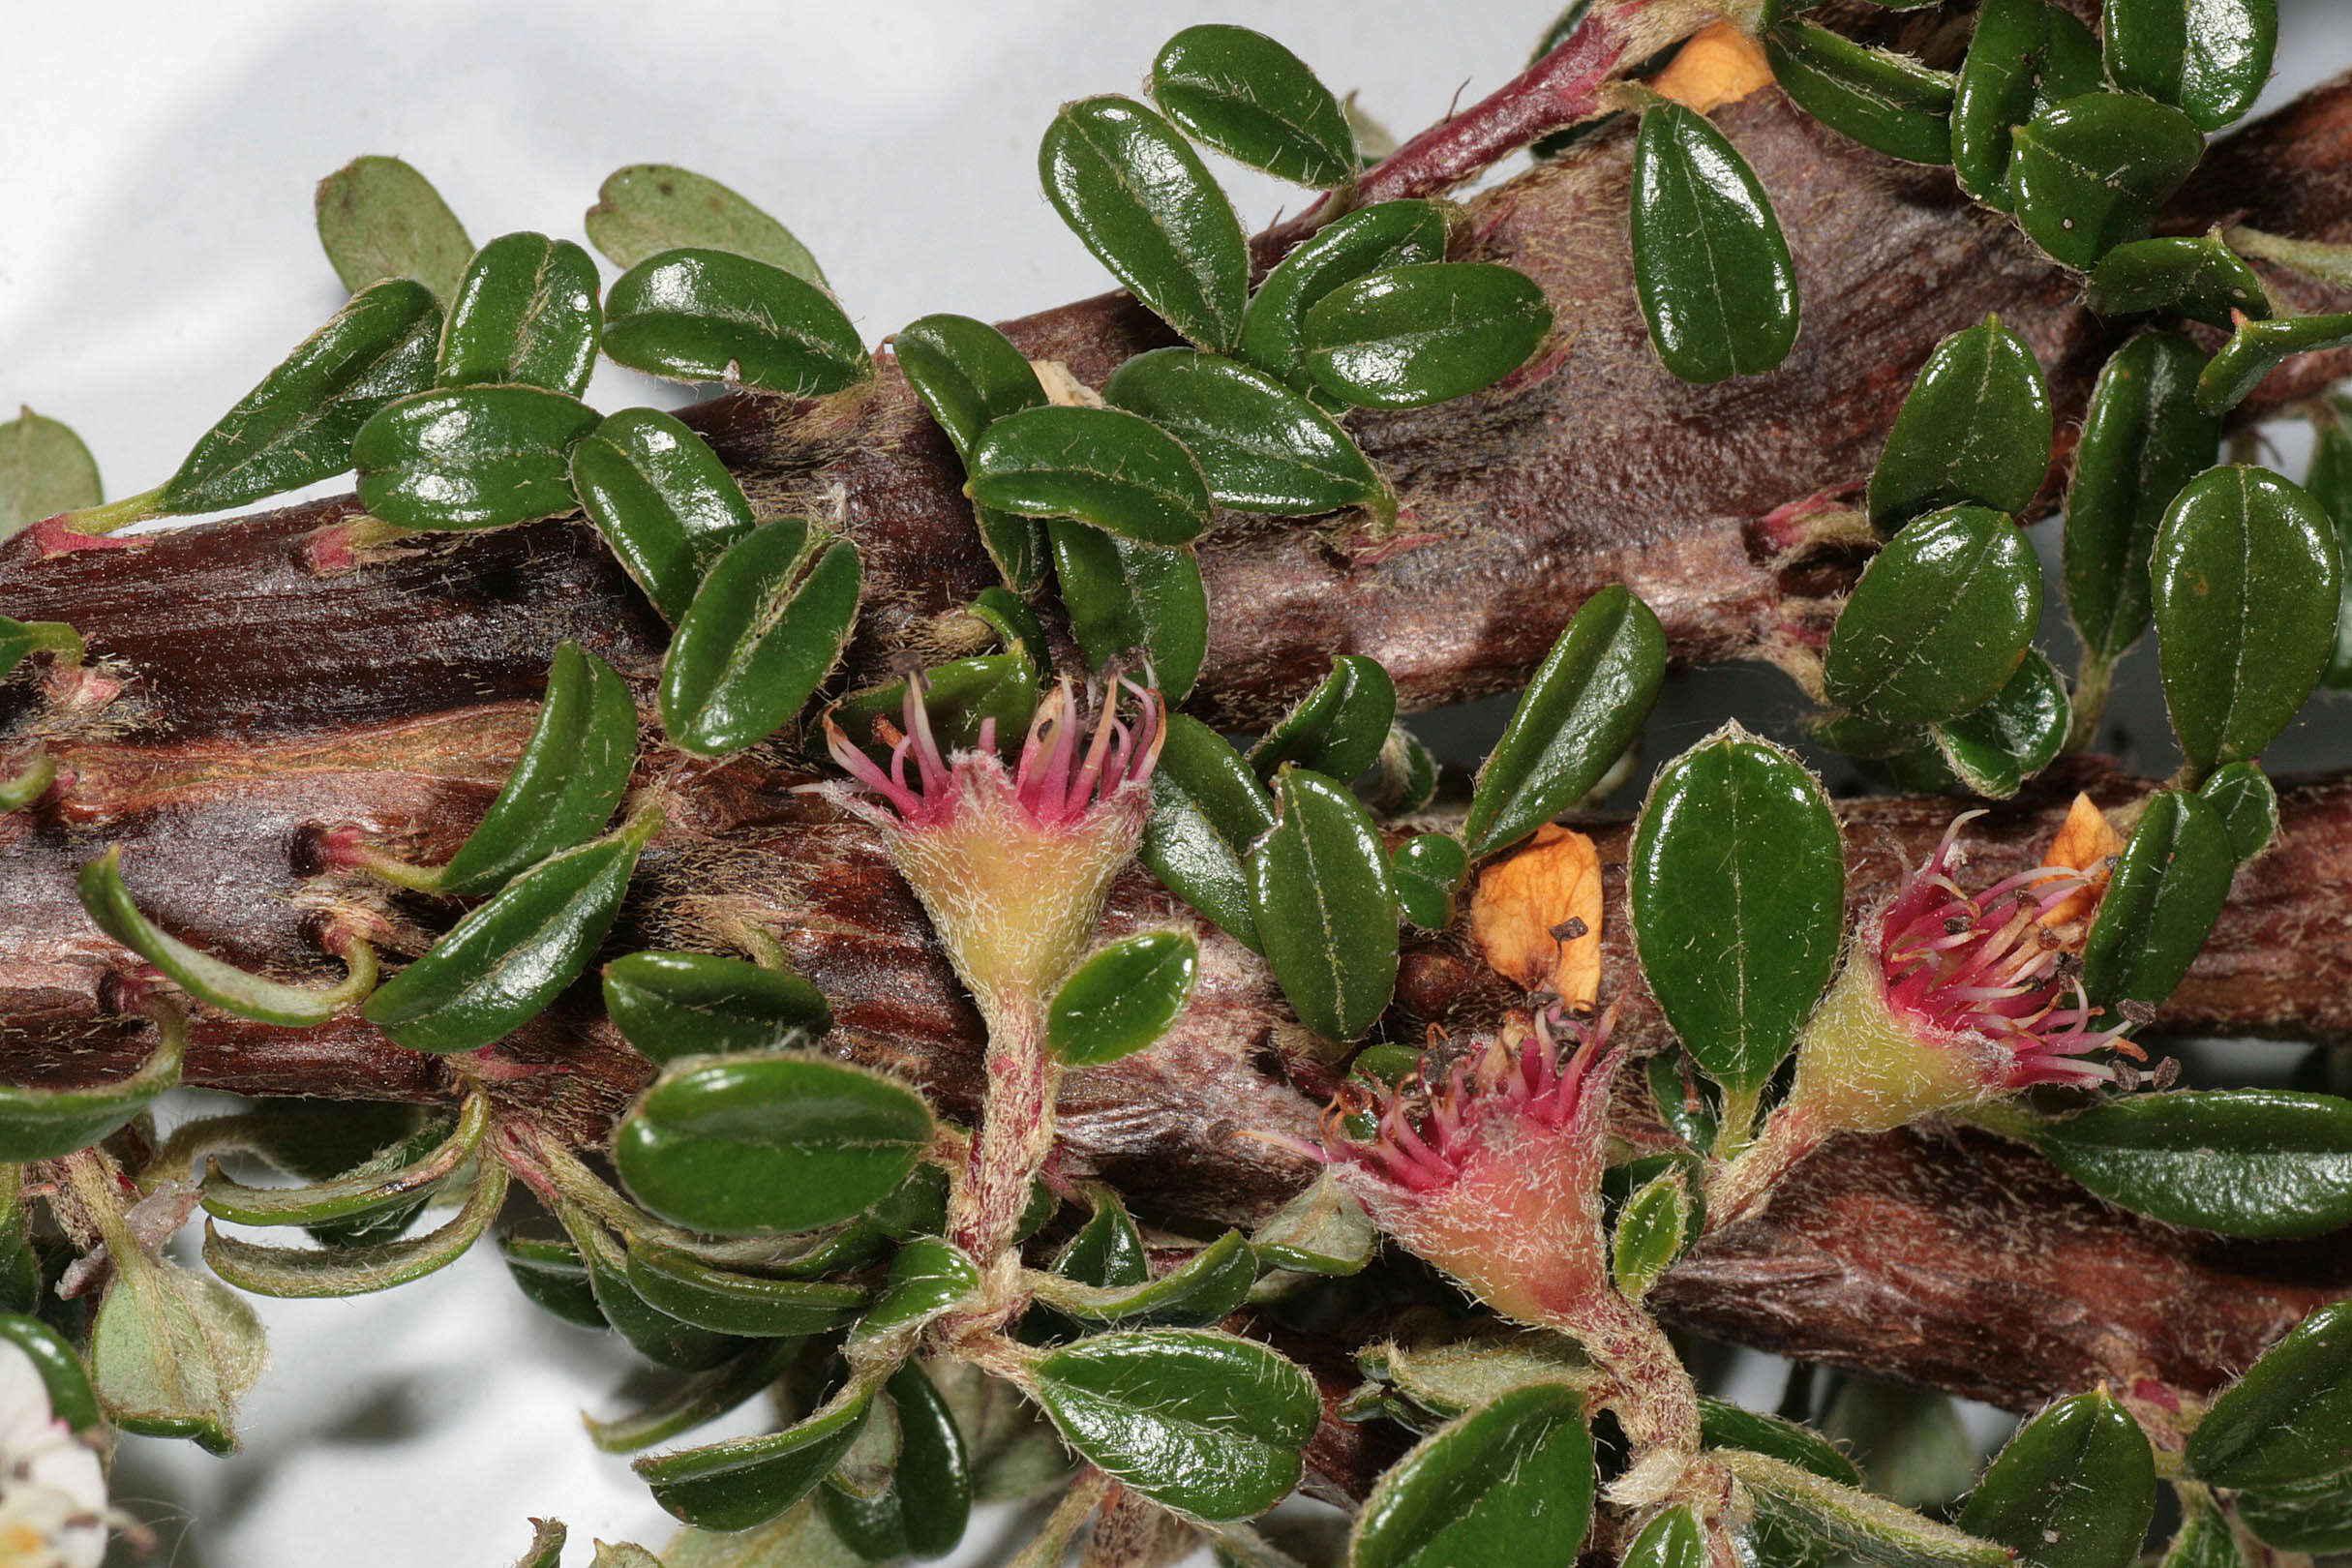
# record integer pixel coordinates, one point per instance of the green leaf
(1140, 199)
(1910, 1442)
(1670, 1540)
(1581, 709)
(2247, 587)
(2288, 1421)
(654, 1334)
(1108, 1250)
(391, 1175)
(1407, 781)
(1650, 1232)
(2256, 348)
(473, 457)
(646, 209)
(2207, 57)
(1777, 1542)
(43, 470)
(526, 312)
(2167, 890)
(551, 1275)
(670, 1005)
(1863, 1525)
(2024, 56)
(1889, 102)
(959, 697)
(1325, 906)
(2142, 439)
(766, 627)
(1205, 1424)
(928, 1277)
(172, 1352)
(355, 1271)
(62, 1374)
(2313, 1517)
(799, 1537)
(1323, 1230)
(748, 1481)
(378, 218)
(1204, 1290)
(2329, 482)
(1207, 809)
(48, 1124)
(546, 1550)
(1114, 469)
(725, 1302)
(20, 640)
(1338, 729)
(2248, 807)
(1123, 998)
(768, 1145)
(1123, 595)
(969, 375)
(2259, 1163)
(2090, 173)
(1015, 627)
(1410, 336)
(302, 422)
(696, 315)
(928, 1502)
(1428, 869)
(1507, 1486)
(500, 966)
(1996, 748)
(1681, 1102)
(2074, 1489)
(696, 1400)
(1712, 270)
(1736, 886)
(1371, 239)
(1253, 100)
(1940, 621)
(206, 977)
(2205, 1538)
(2197, 276)
(1260, 446)
(1974, 428)
(664, 502)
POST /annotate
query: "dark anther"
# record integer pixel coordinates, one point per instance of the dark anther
(1571, 929)
(1954, 924)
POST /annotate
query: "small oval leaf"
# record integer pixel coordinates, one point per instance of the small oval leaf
(969, 375)
(748, 1481)
(1337, 728)
(767, 625)
(2288, 1421)
(45, 470)
(527, 313)
(1996, 748)
(1889, 102)
(1260, 446)
(2260, 1163)
(1122, 595)
(1325, 905)
(1123, 998)
(1430, 870)
(2024, 56)
(2074, 1489)
(2090, 173)
(698, 315)
(1709, 262)
(1256, 102)
(663, 501)
(1507, 1486)
(1207, 809)
(645, 209)
(2205, 57)
(1106, 466)
(1974, 428)
(1371, 239)
(2195, 275)
(1204, 1290)
(1938, 623)
(2167, 890)
(2248, 804)
(472, 457)
(1410, 336)
(378, 218)
(2314, 1517)
(308, 1272)
(1670, 1540)
(670, 1005)
(725, 1302)
(2256, 347)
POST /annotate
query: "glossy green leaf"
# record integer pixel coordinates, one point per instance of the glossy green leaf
(43, 470)
(2090, 173)
(355, 1271)
(1736, 886)
(2167, 890)
(1974, 428)
(2260, 1163)
(1123, 998)
(1205, 1424)
(1253, 100)
(1410, 336)
(748, 1481)
(2329, 482)
(2288, 1421)
(473, 457)
(1670, 1540)
(1122, 595)
(1889, 102)
(1337, 728)
(1407, 781)
(2142, 439)
(1207, 809)
(926, 1278)
(391, 1175)
(2247, 585)
(502, 965)
(1938, 623)
(2207, 57)
(1325, 906)
(1260, 446)
(1777, 1541)
(48, 1124)
(206, 977)
(2248, 807)
(768, 1145)
(923, 1511)
(2313, 1517)
(767, 625)
(646, 209)
(302, 422)
(2024, 56)
(696, 1400)
(2205, 1538)
(1015, 625)
(1681, 1100)
(1709, 262)
(969, 375)
(2074, 1489)
(1508, 1485)
(526, 312)
(670, 1005)
(654, 1334)
(726, 1302)
(1108, 1250)
(959, 697)
(1114, 469)
(62, 1374)
(1140, 199)
(172, 1352)
(697, 314)
(1650, 1232)
(1996, 748)
(551, 1275)
(917, 1207)
(2256, 348)
(1863, 1524)
(378, 218)
(1429, 868)
(1323, 1230)
(663, 501)
(1371, 239)
(1203, 1290)
(2195, 275)
(1581, 709)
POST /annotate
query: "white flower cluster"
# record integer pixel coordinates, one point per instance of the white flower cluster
(52, 1491)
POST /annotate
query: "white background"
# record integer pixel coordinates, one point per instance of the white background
(157, 255)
